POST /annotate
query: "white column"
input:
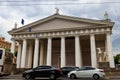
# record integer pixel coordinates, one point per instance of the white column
(30, 55)
(23, 57)
(93, 51)
(63, 57)
(13, 46)
(36, 51)
(78, 55)
(49, 51)
(19, 56)
(109, 50)
(41, 53)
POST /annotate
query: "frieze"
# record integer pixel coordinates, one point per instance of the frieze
(63, 33)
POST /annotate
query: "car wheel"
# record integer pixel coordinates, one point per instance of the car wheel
(27, 76)
(52, 77)
(72, 76)
(32, 78)
(96, 76)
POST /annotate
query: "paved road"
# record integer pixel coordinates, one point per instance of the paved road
(19, 77)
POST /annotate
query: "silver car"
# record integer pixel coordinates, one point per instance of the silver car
(87, 72)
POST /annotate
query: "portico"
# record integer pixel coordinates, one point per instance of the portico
(60, 41)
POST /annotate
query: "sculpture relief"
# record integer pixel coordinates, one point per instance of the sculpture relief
(105, 57)
(99, 55)
(102, 55)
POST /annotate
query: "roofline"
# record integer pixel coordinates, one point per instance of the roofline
(63, 29)
(62, 17)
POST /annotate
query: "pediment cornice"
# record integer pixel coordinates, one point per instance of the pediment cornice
(57, 16)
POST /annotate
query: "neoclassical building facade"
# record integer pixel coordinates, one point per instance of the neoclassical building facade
(6, 45)
(60, 40)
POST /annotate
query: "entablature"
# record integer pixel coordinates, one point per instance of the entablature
(66, 33)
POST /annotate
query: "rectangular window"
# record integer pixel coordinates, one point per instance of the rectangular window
(1, 52)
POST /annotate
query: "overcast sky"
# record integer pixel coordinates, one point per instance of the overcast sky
(12, 11)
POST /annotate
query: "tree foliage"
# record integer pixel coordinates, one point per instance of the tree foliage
(15, 53)
(117, 59)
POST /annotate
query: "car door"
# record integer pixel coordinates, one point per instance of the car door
(90, 71)
(42, 71)
(64, 70)
(87, 72)
(38, 72)
(81, 72)
(45, 71)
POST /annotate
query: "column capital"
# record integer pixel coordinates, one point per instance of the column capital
(62, 36)
(24, 39)
(36, 39)
(92, 34)
(36, 35)
(108, 33)
(77, 35)
(49, 37)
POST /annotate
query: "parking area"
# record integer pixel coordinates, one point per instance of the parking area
(19, 77)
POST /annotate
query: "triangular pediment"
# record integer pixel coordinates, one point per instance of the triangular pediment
(58, 22)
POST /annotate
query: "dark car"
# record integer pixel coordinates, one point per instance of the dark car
(66, 70)
(42, 71)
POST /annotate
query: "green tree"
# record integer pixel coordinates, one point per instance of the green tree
(7, 49)
(117, 59)
(15, 53)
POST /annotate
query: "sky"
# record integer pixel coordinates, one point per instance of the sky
(12, 11)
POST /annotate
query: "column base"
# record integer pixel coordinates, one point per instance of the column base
(104, 65)
(21, 70)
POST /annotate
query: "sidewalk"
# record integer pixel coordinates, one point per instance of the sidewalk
(106, 77)
(112, 77)
(114, 74)
(10, 77)
(19, 76)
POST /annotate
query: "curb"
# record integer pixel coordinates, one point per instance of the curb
(112, 77)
